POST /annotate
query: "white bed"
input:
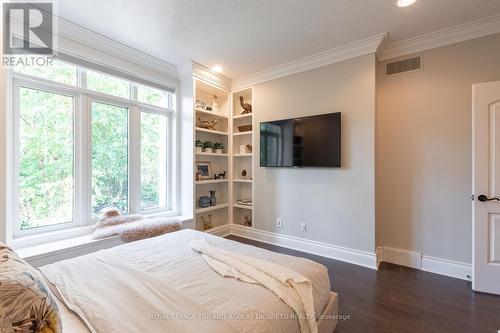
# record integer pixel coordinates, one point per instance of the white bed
(171, 259)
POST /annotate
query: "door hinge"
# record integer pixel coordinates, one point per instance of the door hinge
(472, 197)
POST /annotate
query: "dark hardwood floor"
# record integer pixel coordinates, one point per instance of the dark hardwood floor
(400, 299)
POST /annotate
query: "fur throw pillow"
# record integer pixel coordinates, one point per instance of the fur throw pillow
(133, 226)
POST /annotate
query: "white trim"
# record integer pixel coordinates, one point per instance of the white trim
(399, 257)
(425, 263)
(459, 33)
(376, 44)
(352, 256)
(352, 50)
(206, 74)
(450, 268)
(221, 231)
(62, 250)
(99, 42)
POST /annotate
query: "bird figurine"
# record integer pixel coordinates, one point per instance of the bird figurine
(245, 106)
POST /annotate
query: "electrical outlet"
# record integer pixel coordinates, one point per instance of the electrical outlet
(303, 227)
(279, 222)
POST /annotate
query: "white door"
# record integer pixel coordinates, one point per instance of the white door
(486, 187)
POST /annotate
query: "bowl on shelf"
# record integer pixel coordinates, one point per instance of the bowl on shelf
(245, 128)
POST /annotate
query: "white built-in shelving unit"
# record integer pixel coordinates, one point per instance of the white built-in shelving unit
(232, 160)
(242, 158)
(219, 163)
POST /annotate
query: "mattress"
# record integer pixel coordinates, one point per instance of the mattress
(171, 258)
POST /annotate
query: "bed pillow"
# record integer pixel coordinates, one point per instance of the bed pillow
(26, 303)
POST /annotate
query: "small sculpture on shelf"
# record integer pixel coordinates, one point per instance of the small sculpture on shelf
(244, 174)
(220, 175)
(249, 148)
(247, 108)
(213, 199)
(208, 124)
(207, 224)
(246, 221)
(204, 201)
(215, 104)
(200, 104)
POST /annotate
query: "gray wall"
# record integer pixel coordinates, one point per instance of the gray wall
(337, 204)
(424, 150)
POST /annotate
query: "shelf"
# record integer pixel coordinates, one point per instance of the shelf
(210, 208)
(243, 133)
(215, 114)
(243, 206)
(199, 129)
(211, 181)
(212, 154)
(248, 115)
(243, 181)
(243, 155)
(217, 228)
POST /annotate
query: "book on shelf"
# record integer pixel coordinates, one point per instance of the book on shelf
(244, 202)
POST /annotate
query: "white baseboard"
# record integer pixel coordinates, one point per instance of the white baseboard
(357, 257)
(416, 260)
(221, 231)
(399, 257)
(450, 268)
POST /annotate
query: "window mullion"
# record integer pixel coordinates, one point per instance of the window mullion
(86, 160)
(82, 78)
(134, 163)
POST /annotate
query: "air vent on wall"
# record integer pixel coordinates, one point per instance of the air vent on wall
(406, 65)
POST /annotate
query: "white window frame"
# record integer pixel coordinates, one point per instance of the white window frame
(17, 84)
(82, 212)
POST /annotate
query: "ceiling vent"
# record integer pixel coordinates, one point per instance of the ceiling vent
(402, 66)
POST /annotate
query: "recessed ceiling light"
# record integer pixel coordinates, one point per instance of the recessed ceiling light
(405, 3)
(217, 69)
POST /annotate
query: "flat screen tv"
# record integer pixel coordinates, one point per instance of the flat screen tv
(301, 142)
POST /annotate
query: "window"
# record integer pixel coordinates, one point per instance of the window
(86, 141)
(108, 84)
(58, 72)
(109, 157)
(46, 175)
(153, 160)
(152, 96)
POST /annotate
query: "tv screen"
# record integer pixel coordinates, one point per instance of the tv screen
(301, 142)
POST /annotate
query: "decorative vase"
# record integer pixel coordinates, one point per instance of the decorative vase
(198, 149)
(204, 201)
(213, 199)
(218, 151)
(208, 150)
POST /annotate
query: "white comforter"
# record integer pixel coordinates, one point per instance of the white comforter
(138, 286)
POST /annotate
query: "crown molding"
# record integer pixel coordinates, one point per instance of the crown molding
(338, 54)
(452, 35)
(76, 33)
(206, 74)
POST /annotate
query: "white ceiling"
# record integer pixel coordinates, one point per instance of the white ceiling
(246, 36)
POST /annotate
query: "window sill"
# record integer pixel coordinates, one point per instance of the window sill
(52, 251)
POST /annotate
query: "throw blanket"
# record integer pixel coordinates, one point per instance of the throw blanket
(126, 299)
(293, 288)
